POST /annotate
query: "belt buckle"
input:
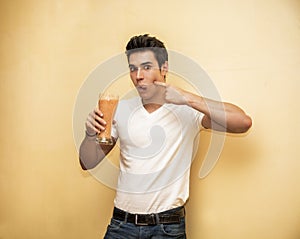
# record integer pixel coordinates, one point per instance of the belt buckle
(136, 220)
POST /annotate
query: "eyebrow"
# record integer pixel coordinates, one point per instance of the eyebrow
(142, 64)
(147, 63)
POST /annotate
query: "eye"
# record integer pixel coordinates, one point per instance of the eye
(147, 67)
(132, 68)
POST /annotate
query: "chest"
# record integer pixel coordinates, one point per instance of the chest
(140, 129)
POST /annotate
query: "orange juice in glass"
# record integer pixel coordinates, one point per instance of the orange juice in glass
(107, 104)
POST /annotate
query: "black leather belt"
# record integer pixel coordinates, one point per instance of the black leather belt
(167, 217)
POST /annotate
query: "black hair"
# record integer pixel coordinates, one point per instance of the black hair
(148, 43)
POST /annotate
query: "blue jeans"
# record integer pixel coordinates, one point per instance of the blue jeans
(118, 229)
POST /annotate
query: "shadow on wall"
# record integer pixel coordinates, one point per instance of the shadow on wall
(238, 155)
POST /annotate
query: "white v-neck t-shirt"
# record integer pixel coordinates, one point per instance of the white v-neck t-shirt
(156, 151)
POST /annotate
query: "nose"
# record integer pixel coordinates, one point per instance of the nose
(139, 74)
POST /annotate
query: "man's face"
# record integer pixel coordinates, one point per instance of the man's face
(144, 70)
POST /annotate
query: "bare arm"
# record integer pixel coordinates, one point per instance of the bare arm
(91, 153)
(218, 116)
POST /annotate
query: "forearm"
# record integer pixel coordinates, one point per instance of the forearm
(217, 115)
(220, 116)
(91, 153)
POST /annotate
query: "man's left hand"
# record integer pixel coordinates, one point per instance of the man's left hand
(174, 94)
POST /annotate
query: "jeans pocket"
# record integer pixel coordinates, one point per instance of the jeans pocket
(115, 224)
(176, 230)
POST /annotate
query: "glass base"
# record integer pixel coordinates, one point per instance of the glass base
(105, 141)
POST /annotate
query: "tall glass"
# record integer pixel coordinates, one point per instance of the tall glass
(107, 104)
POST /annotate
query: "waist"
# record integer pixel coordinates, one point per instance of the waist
(167, 217)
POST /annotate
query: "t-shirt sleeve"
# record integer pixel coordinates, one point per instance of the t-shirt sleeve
(198, 117)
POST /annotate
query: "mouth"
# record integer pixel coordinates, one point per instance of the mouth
(142, 88)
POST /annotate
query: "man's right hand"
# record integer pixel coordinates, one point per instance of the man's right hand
(95, 122)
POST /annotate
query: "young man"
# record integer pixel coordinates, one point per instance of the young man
(156, 132)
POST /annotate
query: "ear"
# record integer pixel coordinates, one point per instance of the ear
(165, 68)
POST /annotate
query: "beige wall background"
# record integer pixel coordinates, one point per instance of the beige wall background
(251, 50)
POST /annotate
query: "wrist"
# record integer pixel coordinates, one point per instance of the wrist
(189, 99)
(195, 101)
(91, 135)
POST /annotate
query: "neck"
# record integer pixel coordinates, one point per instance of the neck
(152, 105)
